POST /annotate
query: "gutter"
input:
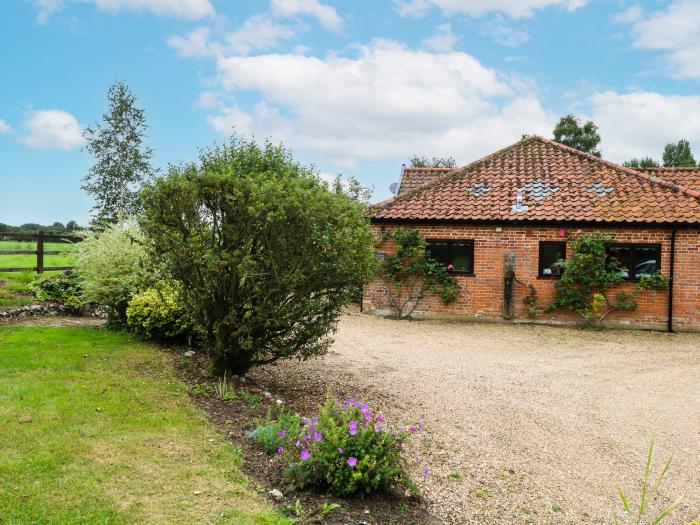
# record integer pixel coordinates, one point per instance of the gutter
(670, 280)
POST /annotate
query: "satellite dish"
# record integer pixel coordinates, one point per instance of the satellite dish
(394, 186)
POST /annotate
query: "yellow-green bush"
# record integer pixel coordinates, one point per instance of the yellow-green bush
(159, 313)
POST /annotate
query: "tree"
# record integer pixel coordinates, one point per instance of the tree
(678, 155)
(435, 162)
(583, 137)
(122, 162)
(266, 254)
(644, 162)
(72, 226)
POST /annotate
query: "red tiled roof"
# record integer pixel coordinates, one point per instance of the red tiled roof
(411, 178)
(686, 177)
(553, 183)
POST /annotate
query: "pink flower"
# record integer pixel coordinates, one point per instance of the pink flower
(305, 454)
(578, 232)
(352, 461)
(450, 267)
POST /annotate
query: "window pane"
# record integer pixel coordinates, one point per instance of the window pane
(549, 255)
(622, 255)
(461, 257)
(646, 261)
(440, 251)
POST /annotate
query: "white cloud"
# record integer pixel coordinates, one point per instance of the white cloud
(257, 33)
(327, 16)
(4, 127)
(674, 30)
(442, 41)
(640, 124)
(194, 44)
(364, 107)
(187, 9)
(513, 8)
(503, 34)
(51, 129)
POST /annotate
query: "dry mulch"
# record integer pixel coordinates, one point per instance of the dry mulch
(54, 321)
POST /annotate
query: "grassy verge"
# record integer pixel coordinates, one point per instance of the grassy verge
(113, 437)
(14, 286)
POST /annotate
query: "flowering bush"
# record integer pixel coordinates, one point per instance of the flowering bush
(276, 432)
(348, 450)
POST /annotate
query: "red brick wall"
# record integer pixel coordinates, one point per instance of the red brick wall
(481, 295)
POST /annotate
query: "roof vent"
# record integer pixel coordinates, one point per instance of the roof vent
(599, 189)
(538, 189)
(519, 207)
(479, 188)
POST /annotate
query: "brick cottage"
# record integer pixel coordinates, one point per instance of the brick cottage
(520, 204)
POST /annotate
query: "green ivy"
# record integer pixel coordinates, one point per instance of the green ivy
(412, 273)
(588, 277)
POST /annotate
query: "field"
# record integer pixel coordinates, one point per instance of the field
(98, 429)
(14, 286)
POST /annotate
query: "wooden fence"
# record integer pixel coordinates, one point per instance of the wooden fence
(40, 252)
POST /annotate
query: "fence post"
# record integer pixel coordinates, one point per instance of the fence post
(40, 252)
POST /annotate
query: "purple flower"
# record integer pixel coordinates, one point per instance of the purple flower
(317, 436)
(377, 428)
(364, 408)
(280, 451)
(296, 443)
(281, 433)
(341, 451)
(349, 401)
(420, 424)
(352, 427)
(426, 472)
(418, 459)
(380, 419)
(305, 454)
(352, 461)
(412, 429)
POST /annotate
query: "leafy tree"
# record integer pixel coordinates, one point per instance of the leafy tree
(583, 137)
(588, 276)
(351, 187)
(435, 162)
(679, 155)
(644, 162)
(122, 162)
(412, 273)
(266, 254)
(72, 226)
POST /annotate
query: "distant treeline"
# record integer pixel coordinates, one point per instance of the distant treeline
(30, 227)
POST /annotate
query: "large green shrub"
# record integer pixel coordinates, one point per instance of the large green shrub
(267, 255)
(62, 288)
(113, 266)
(159, 313)
(349, 450)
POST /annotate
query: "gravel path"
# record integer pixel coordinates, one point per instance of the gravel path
(529, 424)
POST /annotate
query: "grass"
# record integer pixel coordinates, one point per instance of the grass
(14, 286)
(113, 437)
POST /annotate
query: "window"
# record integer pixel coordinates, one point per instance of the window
(457, 256)
(636, 260)
(550, 253)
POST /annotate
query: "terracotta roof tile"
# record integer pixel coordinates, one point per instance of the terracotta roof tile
(554, 184)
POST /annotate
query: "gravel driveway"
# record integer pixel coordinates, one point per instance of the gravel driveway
(529, 424)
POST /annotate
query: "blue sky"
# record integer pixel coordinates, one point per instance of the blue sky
(353, 87)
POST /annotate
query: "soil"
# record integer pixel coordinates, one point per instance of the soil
(237, 418)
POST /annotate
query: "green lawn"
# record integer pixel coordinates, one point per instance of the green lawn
(14, 286)
(114, 437)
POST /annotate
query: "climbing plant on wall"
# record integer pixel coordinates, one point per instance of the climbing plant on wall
(412, 273)
(589, 276)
